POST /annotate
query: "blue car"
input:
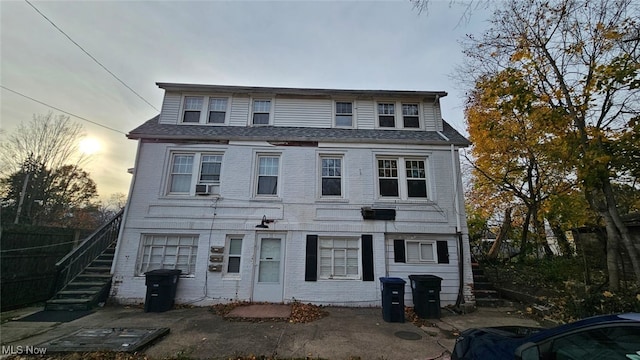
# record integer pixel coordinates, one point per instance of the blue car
(600, 337)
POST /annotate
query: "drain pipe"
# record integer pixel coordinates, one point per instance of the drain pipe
(456, 200)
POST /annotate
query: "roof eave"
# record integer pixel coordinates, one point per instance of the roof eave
(296, 91)
(293, 138)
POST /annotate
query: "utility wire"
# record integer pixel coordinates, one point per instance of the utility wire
(89, 55)
(66, 112)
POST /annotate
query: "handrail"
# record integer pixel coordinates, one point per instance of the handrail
(72, 264)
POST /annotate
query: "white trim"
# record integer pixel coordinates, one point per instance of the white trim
(256, 173)
(434, 251)
(226, 275)
(272, 105)
(398, 114)
(403, 192)
(196, 168)
(353, 113)
(359, 259)
(336, 155)
(139, 270)
(204, 110)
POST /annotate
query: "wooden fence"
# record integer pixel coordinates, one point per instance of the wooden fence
(28, 259)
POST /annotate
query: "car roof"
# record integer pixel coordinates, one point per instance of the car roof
(595, 320)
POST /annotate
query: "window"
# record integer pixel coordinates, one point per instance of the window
(339, 258)
(234, 255)
(268, 168)
(404, 178)
(410, 116)
(420, 251)
(616, 341)
(210, 168)
(331, 176)
(192, 108)
(416, 179)
(386, 115)
(217, 110)
(416, 250)
(388, 177)
(261, 112)
(344, 114)
(181, 179)
(168, 252)
(181, 170)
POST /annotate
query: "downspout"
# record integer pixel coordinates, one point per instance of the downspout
(460, 299)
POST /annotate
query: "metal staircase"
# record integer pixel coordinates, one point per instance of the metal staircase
(84, 275)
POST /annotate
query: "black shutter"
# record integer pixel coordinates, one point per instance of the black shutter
(398, 251)
(367, 257)
(443, 252)
(311, 264)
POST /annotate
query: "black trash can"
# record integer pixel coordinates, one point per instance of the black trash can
(426, 295)
(392, 299)
(161, 289)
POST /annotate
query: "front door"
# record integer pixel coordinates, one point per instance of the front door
(269, 266)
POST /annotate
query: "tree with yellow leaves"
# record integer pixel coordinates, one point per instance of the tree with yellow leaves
(578, 63)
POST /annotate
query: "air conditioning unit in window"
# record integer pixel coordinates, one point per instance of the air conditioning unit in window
(203, 189)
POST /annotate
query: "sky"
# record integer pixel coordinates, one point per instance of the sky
(384, 45)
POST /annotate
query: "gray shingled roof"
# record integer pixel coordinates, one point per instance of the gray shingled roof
(151, 129)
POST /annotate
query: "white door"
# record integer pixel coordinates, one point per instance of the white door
(269, 264)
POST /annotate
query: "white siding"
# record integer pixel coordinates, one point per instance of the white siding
(303, 112)
(239, 111)
(366, 114)
(429, 113)
(298, 211)
(170, 108)
(447, 272)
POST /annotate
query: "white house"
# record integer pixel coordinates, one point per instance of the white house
(288, 194)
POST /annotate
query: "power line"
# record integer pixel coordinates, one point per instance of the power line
(66, 112)
(89, 55)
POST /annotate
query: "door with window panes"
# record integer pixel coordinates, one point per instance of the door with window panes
(268, 268)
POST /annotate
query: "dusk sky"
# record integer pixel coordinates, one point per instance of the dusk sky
(309, 44)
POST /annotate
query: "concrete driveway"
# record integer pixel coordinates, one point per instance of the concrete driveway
(347, 333)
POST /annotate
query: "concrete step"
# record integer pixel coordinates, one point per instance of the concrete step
(97, 269)
(93, 276)
(85, 284)
(486, 302)
(485, 294)
(480, 278)
(68, 304)
(102, 262)
(483, 285)
(78, 294)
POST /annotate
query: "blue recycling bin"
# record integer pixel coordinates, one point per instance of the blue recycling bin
(392, 299)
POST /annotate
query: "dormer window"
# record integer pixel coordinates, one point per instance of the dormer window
(261, 112)
(205, 110)
(386, 115)
(410, 116)
(192, 108)
(344, 114)
(217, 110)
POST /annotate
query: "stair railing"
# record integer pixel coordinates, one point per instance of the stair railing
(91, 247)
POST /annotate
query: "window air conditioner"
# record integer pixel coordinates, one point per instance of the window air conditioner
(203, 189)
